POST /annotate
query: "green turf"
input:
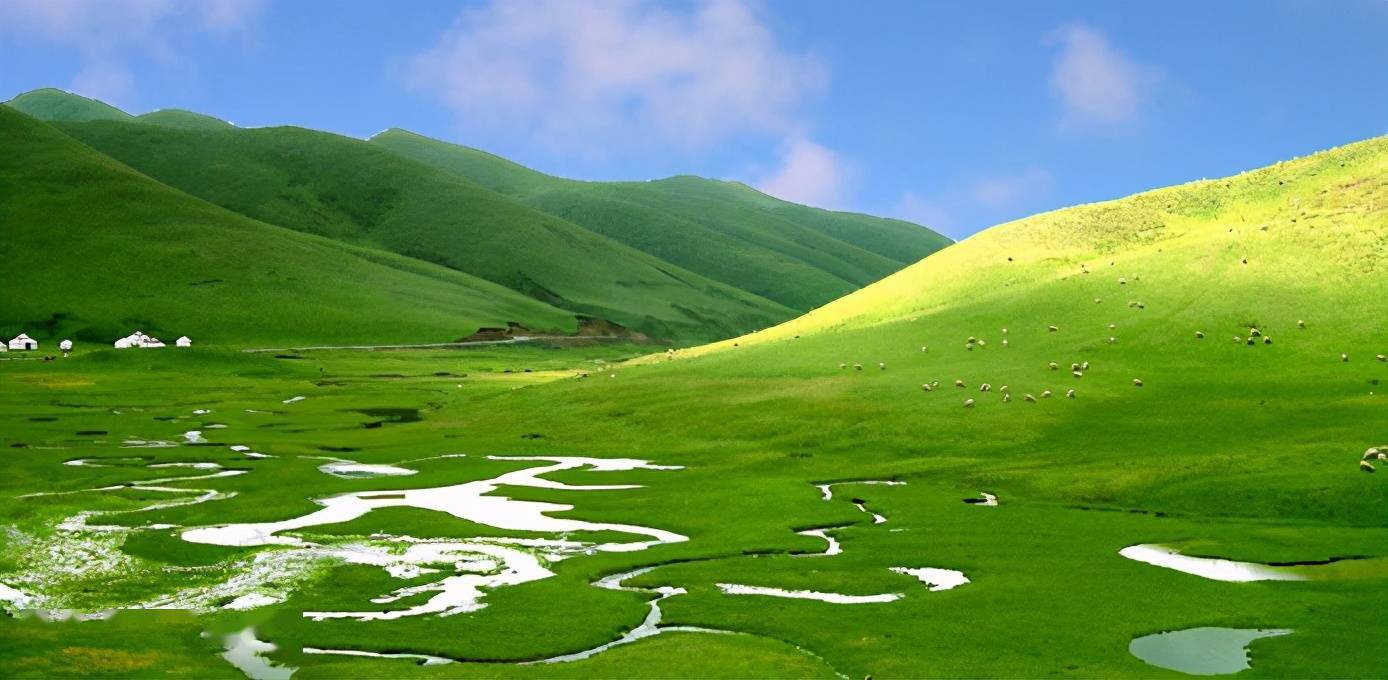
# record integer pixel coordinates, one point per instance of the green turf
(1226, 450)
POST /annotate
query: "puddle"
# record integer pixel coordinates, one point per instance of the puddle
(1209, 567)
(423, 659)
(245, 652)
(826, 491)
(832, 598)
(291, 400)
(832, 549)
(391, 415)
(937, 579)
(352, 470)
(985, 499)
(476, 565)
(862, 507)
(650, 626)
(1201, 651)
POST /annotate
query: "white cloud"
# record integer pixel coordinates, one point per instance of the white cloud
(606, 72)
(810, 174)
(913, 208)
(109, 82)
(1001, 191)
(1096, 82)
(108, 34)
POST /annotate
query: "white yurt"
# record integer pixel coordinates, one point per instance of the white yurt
(65, 345)
(23, 341)
(123, 343)
(184, 341)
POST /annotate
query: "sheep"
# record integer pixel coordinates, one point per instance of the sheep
(1077, 374)
(982, 342)
(971, 340)
(1250, 342)
(1045, 394)
(1098, 300)
(1028, 397)
(1084, 366)
(1052, 328)
(882, 365)
(1254, 332)
(924, 348)
(968, 403)
(1006, 397)
(1267, 340)
(1112, 326)
(935, 383)
(1137, 382)
(1004, 331)
(1004, 342)
(1199, 335)
(1053, 365)
(1069, 394)
(857, 367)
(842, 365)
(959, 383)
(1300, 324)
(1237, 339)
(1382, 357)
(1371, 453)
(984, 387)
(1344, 357)
(969, 346)
(1004, 388)
(1365, 466)
(1112, 339)
(926, 387)
(1122, 281)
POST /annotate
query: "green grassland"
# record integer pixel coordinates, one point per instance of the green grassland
(1227, 449)
(685, 260)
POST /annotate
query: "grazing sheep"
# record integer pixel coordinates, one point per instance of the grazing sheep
(1122, 281)
(1344, 357)
(959, 383)
(1199, 335)
(1137, 382)
(1074, 367)
(1006, 397)
(1112, 326)
(968, 403)
(842, 365)
(1052, 328)
(1381, 357)
(1004, 342)
(924, 348)
(1366, 466)
(1300, 324)
(1069, 394)
(1112, 339)
(1004, 388)
(1371, 453)
(1028, 397)
(926, 387)
(1254, 332)
(1097, 300)
(1053, 365)
(1084, 366)
(857, 367)
(1244, 259)
(971, 340)
(1250, 341)
(935, 383)
(1004, 331)
(982, 343)
(882, 365)
(984, 387)
(1045, 394)
(1267, 340)
(1077, 374)
(969, 347)
(1237, 339)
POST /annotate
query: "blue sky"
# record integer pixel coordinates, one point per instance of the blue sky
(956, 115)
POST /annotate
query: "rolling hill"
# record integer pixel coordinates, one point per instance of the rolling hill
(93, 249)
(682, 259)
(798, 256)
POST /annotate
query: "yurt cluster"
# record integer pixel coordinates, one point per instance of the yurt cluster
(23, 343)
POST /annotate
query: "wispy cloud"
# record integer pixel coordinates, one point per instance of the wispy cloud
(109, 33)
(1096, 82)
(811, 174)
(583, 74)
(1001, 191)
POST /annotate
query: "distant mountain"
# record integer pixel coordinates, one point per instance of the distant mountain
(94, 250)
(798, 256)
(682, 259)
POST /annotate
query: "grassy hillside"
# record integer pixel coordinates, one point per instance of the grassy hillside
(798, 256)
(358, 193)
(94, 250)
(51, 104)
(1226, 450)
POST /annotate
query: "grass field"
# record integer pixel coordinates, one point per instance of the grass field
(1226, 449)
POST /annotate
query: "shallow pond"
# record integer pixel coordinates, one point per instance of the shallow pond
(1201, 651)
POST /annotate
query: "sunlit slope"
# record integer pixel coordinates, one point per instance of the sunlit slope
(93, 250)
(1300, 240)
(796, 255)
(362, 194)
(52, 104)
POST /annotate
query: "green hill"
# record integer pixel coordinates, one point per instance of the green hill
(94, 250)
(798, 256)
(178, 118)
(365, 195)
(51, 104)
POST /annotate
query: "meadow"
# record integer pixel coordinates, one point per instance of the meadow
(1180, 432)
